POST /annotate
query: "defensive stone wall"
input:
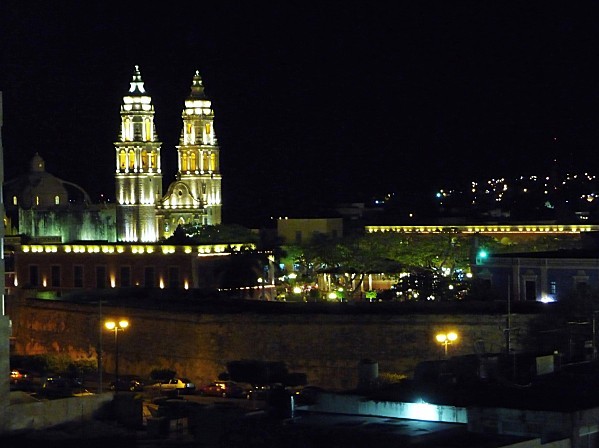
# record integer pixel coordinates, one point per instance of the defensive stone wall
(327, 347)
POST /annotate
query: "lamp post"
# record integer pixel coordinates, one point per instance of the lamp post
(446, 339)
(595, 334)
(111, 325)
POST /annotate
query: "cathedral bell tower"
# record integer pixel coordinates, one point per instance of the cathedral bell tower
(138, 177)
(195, 197)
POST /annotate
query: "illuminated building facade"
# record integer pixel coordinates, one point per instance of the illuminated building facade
(59, 269)
(540, 276)
(44, 207)
(138, 178)
(143, 213)
(195, 197)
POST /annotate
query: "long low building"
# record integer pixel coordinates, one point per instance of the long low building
(55, 270)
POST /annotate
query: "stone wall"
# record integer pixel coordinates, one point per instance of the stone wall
(198, 345)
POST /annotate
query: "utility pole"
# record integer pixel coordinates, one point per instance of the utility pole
(508, 330)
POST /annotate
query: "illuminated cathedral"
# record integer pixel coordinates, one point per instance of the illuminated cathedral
(143, 213)
(47, 208)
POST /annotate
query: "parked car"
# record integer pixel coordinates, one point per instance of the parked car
(225, 389)
(131, 384)
(61, 387)
(180, 385)
(21, 379)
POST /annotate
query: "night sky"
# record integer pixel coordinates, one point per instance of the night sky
(314, 104)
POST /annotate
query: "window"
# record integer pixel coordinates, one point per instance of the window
(148, 130)
(101, 277)
(125, 276)
(78, 276)
(553, 288)
(14, 200)
(34, 275)
(131, 159)
(530, 290)
(55, 276)
(56, 200)
(149, 276)
(122, 160)
(9, 262)
(127, 129)
(173, 277)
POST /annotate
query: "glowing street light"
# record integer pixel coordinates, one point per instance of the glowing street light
(111, 325)
(446, 339)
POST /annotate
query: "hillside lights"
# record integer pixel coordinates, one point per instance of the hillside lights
(446, 338)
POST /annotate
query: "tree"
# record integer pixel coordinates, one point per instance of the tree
(220, 233)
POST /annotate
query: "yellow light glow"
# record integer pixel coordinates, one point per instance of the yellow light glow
(120, 325)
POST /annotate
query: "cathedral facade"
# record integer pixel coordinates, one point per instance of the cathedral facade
(46, 208)
(143, 212)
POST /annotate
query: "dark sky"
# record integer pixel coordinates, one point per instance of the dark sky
(315, 102)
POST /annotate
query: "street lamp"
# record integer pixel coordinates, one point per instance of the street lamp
(111, 325)
(446, 339)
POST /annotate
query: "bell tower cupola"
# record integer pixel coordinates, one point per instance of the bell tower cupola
(138, 176)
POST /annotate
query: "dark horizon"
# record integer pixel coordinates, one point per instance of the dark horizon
(314, 104)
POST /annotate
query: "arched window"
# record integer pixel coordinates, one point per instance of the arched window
(152, 159)
(207, 133)
(122, 160)
(184, 166)
(56, 200)
(131, 159)
(212, 162)
(144, 159)
(148, 136)
(15, 201)
(190, 133)
(127, 130)
(193, 163)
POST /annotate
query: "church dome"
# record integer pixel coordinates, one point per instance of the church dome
(37, 188)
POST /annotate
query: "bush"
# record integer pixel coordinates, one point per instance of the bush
(388, 378)
(57, 364)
